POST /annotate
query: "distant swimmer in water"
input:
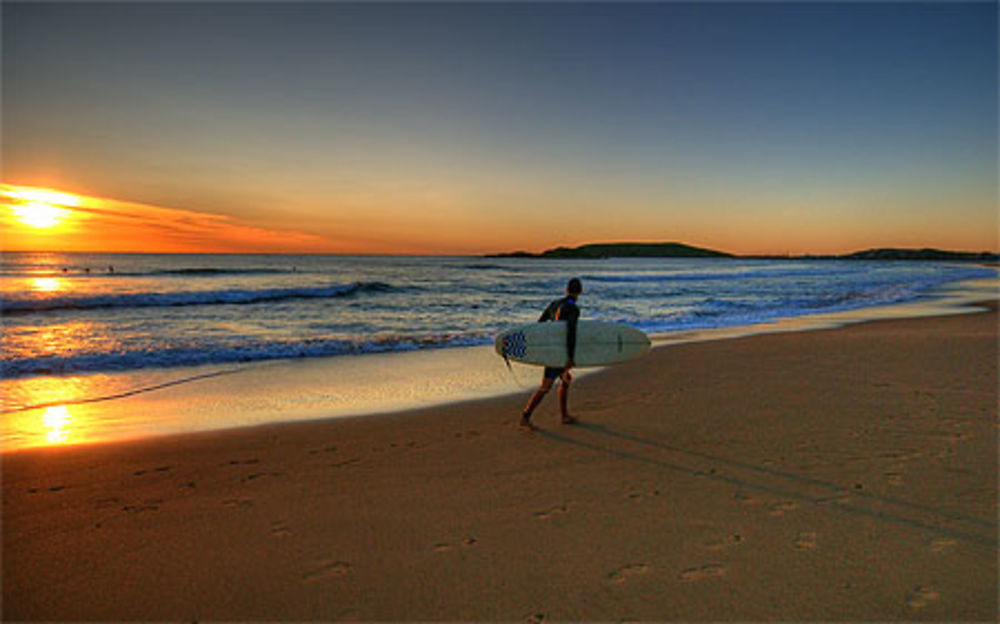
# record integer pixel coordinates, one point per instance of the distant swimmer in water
(564, 309)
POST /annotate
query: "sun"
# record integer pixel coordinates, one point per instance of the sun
(39, 215)
(40, 208)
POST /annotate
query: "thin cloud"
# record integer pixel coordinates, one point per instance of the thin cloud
(100, 224)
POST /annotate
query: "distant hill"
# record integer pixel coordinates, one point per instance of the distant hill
(680, 250)
(919, 254)
(622, 250)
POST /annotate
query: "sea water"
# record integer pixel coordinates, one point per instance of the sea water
(81, 328)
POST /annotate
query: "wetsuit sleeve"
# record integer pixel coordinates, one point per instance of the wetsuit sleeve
(548, 314)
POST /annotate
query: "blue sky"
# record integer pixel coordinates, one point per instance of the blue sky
(752, 127)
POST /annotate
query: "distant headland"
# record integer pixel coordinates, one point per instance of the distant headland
(680, 250)
(621, 250)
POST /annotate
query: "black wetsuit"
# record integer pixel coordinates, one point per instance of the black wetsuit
(563, 310)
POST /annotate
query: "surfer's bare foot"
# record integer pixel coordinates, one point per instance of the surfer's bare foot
(569, 420)
(526, 425)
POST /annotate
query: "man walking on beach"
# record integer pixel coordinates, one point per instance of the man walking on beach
(564, 309)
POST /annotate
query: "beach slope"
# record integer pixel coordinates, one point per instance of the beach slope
(825, 475)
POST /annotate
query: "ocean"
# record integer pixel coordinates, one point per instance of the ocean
(81, 313)
(114, 325)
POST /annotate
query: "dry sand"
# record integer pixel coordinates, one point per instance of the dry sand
(826, 475)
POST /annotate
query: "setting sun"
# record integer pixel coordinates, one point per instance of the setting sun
(38, 207)
(34, 218)
(39, 215)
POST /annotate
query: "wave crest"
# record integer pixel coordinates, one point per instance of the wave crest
(190, 298)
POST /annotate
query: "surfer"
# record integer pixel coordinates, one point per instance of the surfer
(564, 309)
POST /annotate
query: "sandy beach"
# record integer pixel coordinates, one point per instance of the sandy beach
(842, 474)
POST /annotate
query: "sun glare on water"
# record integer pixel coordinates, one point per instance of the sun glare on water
(46, 284)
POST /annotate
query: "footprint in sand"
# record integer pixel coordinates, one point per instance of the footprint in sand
(894, 478)
(702, 573)
(139, 473)
(326, 569)
(548, 514)
(238, 503)
(348, 615)
(725, 542)
(261, 475)
(622, 574)
(747, 499)
(241, 462)
(152, 504)
(942, 544)
(922, 596)
(348, 462)
(326, 449)
(806, 541)
(280, 530)
(779, 508)
(638, 496)
(446, 546)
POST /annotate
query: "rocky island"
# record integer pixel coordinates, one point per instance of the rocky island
(621, 250)
(680, 250)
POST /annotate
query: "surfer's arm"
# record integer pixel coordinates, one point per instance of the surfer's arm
(571, 320)
(548, 314)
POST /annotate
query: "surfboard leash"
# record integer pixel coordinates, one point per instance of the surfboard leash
(506, 360)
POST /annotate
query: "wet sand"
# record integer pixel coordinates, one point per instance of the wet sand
(826, 475)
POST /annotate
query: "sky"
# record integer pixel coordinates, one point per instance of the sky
(462, 128)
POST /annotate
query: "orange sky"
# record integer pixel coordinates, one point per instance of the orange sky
(48, 220)
(472, 128)
(34, 218)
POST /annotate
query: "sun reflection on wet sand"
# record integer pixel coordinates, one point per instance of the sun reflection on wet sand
(43, 411)
(57, 420)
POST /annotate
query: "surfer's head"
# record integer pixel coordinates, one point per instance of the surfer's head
(574, 287)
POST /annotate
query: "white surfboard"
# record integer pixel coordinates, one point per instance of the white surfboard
(598, 343)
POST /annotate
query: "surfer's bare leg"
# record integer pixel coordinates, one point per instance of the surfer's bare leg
(533, 402)
(567, 379)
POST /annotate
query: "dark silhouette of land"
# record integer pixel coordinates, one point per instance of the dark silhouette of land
(680, 250)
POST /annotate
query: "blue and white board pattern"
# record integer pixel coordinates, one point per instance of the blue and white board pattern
(598, 343)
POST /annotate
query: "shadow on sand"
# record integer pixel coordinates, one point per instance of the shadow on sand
(780, 483)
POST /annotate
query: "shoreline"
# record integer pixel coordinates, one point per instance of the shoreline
(834, 474)
(218, 397)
